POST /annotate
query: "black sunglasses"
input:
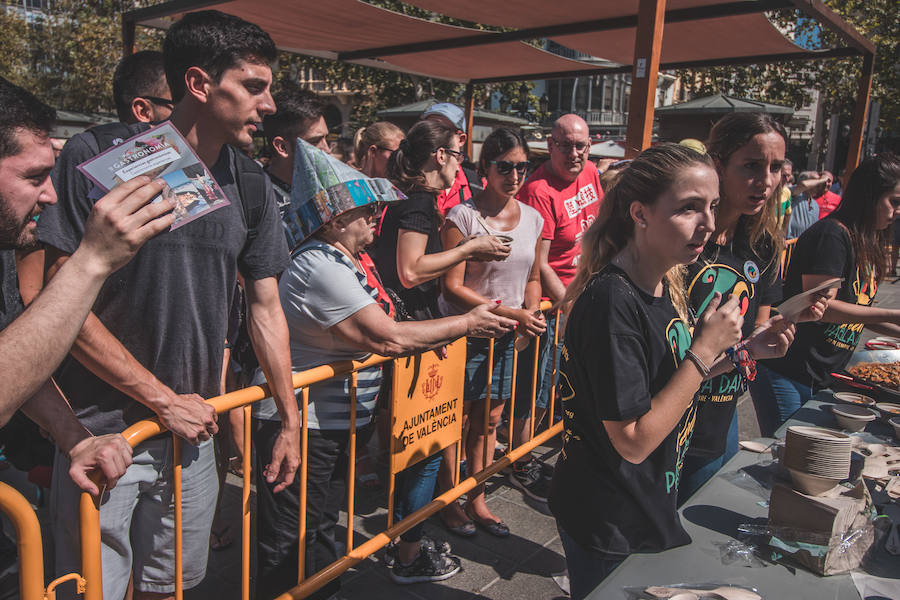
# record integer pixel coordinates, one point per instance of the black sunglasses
(505, 167)
(159, 101)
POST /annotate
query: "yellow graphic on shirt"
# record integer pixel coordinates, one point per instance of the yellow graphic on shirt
(723, 279)
(845, 336)
(679, 336)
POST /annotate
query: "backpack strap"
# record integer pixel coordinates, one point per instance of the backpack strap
(475, 184)
(113, 134)
(251, 183)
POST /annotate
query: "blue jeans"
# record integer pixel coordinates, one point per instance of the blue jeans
(776, 398)
(587, 568)
(697, 470)
(415, 489)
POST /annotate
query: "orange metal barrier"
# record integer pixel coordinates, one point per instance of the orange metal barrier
(786, 255)
(90, 581)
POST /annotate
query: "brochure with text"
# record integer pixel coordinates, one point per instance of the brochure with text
(160, 152)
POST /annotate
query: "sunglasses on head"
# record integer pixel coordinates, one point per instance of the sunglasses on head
(505, 167)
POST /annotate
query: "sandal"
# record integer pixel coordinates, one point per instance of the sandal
(495, 528)
(221, 539)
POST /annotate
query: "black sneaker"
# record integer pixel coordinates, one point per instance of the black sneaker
(441, 547)
(530, 479)
(428, 566)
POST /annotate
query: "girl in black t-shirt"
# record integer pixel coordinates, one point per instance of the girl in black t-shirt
(627, 393)
(849, 243)
(740, 258)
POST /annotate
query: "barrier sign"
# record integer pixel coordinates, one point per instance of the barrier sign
(427, 403)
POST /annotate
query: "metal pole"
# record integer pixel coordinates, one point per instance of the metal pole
(470, 117)
(245, 507)
(128, 36)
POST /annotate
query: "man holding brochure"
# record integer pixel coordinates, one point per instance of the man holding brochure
(34, 341)
(154, 342)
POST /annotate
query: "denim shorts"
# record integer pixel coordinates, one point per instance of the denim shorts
(502, 373)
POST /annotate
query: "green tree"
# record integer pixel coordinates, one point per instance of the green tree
(835, 79)
(67, 52)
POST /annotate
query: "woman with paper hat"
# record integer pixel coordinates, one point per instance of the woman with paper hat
(849, 244)
(336, 309)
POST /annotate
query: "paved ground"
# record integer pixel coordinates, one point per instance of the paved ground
(518, 567)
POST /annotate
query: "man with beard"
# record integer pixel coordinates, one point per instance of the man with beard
(34, 341)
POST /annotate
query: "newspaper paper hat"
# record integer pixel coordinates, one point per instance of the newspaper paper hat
(323, 188)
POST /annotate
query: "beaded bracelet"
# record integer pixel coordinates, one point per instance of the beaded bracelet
(743, 362)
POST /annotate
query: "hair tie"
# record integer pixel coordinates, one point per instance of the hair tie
(404, 145)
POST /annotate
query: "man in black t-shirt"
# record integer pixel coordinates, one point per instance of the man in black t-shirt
(154, 343)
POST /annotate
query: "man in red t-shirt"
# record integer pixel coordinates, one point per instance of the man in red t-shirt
(566, 191)
(828, 201)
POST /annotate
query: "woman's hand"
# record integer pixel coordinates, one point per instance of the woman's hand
(719, 328)
(531, 322)
(484, 248)
(482, 322)
(771, 339)
(814, 312)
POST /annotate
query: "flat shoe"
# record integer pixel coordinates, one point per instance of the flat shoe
(466, 529)
(495, 528)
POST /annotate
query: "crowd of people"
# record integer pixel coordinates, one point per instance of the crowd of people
(666, 271)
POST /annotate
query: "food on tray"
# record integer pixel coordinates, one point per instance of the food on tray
(886, 374)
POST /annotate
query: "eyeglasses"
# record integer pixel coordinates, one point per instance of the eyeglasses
(568, 147)
(386, 149)
(159, 101)
(459, 154)
(505, 167)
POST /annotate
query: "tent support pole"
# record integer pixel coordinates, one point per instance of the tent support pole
(128, 35)
(470, 114)
(858, 129)
(644, 74)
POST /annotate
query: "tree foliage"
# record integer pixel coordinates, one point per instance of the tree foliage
(835, 79)
(66, 53)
